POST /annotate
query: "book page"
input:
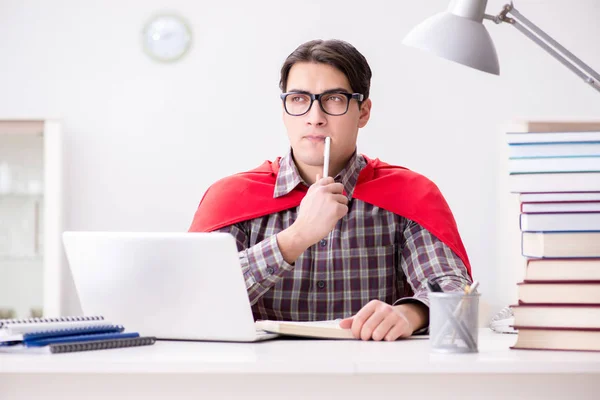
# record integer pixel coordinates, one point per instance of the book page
(318, 329)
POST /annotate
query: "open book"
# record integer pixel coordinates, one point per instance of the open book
(318, 329)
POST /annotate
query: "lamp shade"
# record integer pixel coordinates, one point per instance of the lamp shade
(457, 37)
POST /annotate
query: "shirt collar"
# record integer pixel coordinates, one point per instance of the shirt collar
(289, 177)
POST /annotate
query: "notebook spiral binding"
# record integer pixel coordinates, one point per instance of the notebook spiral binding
(4, 322)
(102, 344)
(72, 332)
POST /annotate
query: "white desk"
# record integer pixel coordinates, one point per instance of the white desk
(303, 369)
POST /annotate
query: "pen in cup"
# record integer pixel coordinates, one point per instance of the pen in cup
(451, 318)
(326, 157)
(461, 305)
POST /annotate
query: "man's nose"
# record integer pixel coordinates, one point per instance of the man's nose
(316, 116)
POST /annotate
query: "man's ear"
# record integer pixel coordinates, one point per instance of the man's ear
(365, 113)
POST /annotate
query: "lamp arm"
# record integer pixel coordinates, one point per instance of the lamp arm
(551, 46)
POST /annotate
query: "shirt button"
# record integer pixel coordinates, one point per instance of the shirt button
(323, 243)
(270, 270)
(321, 284)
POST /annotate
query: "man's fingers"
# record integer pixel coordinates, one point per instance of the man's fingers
(340, 198)
(361, 317)
(346, 323)
(324, 181)
(384, 327)
(330, 186)
(376, 319)
(396, 332)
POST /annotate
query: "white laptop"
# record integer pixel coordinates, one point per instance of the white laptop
(169, 285)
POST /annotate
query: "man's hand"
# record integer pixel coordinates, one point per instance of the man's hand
(320, 210)
(381, 321)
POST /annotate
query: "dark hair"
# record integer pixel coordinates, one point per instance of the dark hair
(337, 53)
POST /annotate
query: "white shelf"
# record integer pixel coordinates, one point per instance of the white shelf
(32, 200)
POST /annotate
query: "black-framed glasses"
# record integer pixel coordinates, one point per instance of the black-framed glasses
(332, 103)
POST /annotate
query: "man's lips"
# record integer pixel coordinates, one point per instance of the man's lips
(315, 138)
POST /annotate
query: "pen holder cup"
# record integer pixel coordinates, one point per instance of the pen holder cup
(453, 322)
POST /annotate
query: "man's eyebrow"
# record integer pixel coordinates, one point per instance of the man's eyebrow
(298, 91)
(334, 90)
(337, 90)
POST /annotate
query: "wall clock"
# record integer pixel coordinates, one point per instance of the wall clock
(167, 37)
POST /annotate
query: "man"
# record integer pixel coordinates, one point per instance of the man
(357, 244)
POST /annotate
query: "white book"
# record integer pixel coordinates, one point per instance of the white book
(564, 269)
(548, 292)
(572, 222)
(552, 137)
(10, 327)
(530, 208)
(554, 164)
(558, 197)
(316, 329)
(557, 182)
(557, 315)
(553, 125)
(528, 150)
(567, 245)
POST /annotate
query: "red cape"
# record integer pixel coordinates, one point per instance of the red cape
(249, 195)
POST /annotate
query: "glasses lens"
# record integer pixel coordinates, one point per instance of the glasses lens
(297, 103)
(335, 103)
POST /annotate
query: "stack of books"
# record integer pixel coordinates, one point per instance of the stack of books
(65, 335)
(555, 169)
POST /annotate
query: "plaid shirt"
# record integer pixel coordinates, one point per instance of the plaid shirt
(371, 254)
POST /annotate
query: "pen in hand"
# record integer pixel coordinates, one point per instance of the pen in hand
(326, 157)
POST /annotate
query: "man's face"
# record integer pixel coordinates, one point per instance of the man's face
(307, 132)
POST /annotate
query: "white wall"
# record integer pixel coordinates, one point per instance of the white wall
(145, 140)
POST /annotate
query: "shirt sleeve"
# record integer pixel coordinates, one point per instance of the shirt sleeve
(262, 264)
(423, 256)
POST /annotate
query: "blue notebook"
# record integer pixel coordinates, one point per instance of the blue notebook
(79, 338)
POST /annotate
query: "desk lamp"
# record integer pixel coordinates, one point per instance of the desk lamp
(458, 35)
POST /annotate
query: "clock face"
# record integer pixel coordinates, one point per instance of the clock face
(167, 38)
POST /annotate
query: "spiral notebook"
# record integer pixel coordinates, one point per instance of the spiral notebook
(18, 321)
(83, 346)
(12, 327)
(50, 334)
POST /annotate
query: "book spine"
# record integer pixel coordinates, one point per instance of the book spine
(102, 344)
